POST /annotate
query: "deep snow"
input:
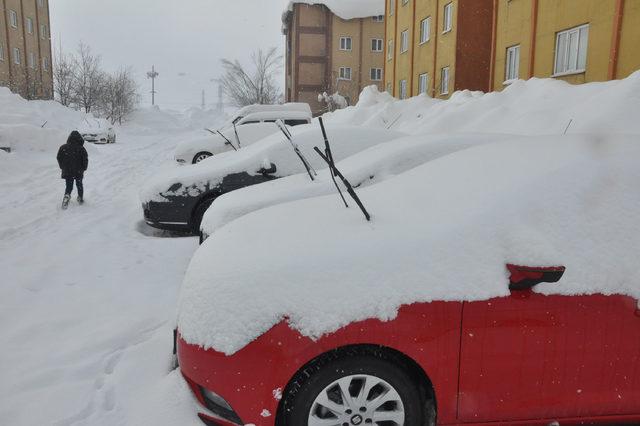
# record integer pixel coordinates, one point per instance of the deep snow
(87, 301)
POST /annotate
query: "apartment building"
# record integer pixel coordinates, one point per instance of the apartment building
(577, 41)
(333, 50)
(25, 48)
(437, 46)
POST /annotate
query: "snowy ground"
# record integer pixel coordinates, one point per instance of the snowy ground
(87, 301)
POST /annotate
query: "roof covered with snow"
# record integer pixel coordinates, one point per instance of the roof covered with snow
(345, 9)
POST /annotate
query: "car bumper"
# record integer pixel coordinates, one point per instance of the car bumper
(154, 217)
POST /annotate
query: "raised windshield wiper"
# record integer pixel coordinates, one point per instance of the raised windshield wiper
(235, 130)
(328, 158)
(218, 132)
(312, 173)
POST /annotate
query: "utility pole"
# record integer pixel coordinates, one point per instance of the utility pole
(153, 75)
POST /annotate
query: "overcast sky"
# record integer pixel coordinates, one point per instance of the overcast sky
(179, 36)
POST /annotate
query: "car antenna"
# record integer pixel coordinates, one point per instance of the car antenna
(346, 183)
(327, 151)
(218, 132)
(287, 134)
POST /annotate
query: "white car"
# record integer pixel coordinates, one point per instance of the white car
(99, 134)
(368, 167)
(250, 125)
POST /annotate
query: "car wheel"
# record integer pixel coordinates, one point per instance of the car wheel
(201, 156)
(198, 213)
(356, 388)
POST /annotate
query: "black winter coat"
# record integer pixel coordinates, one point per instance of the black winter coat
(73, 158)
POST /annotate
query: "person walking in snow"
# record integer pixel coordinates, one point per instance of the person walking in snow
(73, 161)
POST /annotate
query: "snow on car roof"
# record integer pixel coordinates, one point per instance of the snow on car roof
(290, 106)
(274, 115)
(442, 231)
(347, 140)
(374, 165)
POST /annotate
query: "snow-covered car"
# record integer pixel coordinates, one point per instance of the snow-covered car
(495, 285)
(368, 167)
(251, 124)
(178, 201)
(99, 135)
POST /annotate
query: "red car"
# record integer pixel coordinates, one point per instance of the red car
(527, 359)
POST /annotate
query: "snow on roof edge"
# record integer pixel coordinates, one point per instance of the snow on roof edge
(345, 9)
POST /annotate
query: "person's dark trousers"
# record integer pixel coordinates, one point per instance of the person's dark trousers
(69, 188)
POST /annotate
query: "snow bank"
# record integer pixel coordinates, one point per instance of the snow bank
(442, 231)
(345, 9)
(533, 107)
(369, 167)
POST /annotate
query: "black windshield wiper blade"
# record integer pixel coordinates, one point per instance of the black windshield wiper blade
(218, 132)
(312, 173)
(327, 151)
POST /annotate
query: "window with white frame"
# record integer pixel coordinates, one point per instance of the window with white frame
(377, 44)
(444, 81)
(447, 22)
(376, 74)
(17, 57)
(425, 30)
(346, 43)
(379, 18)
(423, 83)
(512, 71)
(32, 60)
(1, 52)
(390, 50)
(404, 41)
(392, 7)
(405, 2)
(40, 3)
(571, 50)
(30, 25)
(43, 31)
(345, 73)
(403, 89)
(13, 18)
(389, 88)
(45, 63)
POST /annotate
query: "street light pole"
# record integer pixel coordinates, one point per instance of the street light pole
(152, 75)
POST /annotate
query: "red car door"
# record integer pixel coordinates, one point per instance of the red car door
(531, 356)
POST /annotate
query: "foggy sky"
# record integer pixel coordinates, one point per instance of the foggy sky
(177, 36)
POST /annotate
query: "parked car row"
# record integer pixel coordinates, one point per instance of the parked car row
(297, 311)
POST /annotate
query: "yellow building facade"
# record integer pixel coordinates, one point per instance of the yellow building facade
(577, 41)
(437, 46)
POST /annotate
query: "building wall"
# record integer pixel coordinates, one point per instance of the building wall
(537, 22)
(28, 78)
(446, 48)
(314, 57)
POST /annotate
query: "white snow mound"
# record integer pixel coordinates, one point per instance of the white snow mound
(345, 9)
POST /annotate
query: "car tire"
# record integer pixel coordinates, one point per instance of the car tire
(201, 156)
(356, 369)
(198, 213)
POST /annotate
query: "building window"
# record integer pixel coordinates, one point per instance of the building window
(17, 57)
(389, 88)
(571, 50)
(392, 7)
(345, 73)
(13, 18)
(403, 89)
(444, 83)
(41, 3)
(30, 25)
(45, 63)
(404, 41)
(379, 18)
(423, 83)
(390, 50)
(425, 30)
(346, 43)
(405, 2)
(32, 60)
(43, 31)
(513, 64)
(447, 22)
(376, 74)
(2, 52)
(377, 45)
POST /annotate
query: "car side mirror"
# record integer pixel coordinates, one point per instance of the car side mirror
(268, 171)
